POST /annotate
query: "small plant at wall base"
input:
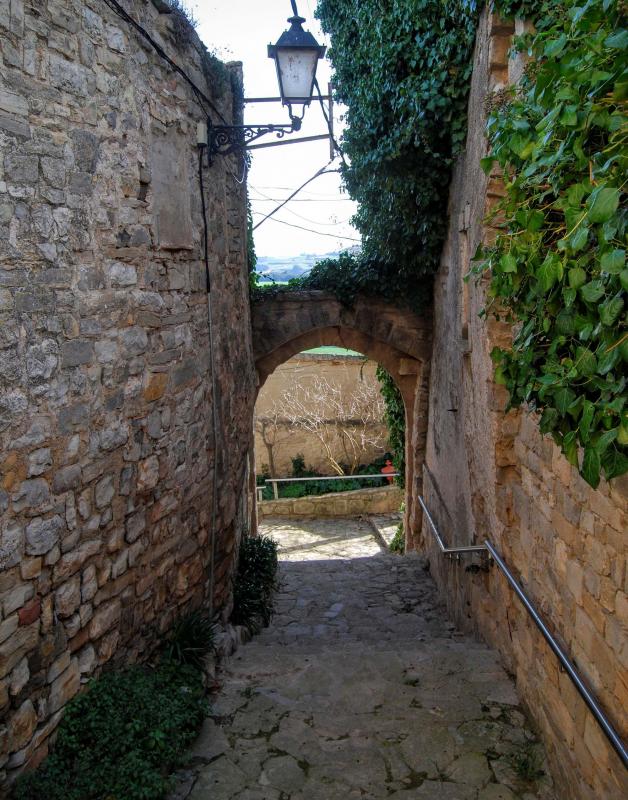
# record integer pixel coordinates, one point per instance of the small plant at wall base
(255, 582)
(559, 263)
(398, 542)
(191, 640)
(121, 738)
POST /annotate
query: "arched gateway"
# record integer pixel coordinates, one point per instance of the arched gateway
(401, 341)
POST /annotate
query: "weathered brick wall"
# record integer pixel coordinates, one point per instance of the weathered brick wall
(107, 445)
(491, 475)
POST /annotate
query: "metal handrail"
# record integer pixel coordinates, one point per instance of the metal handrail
(587, 695)
(449, 551)
(332, 478)
(275, 481)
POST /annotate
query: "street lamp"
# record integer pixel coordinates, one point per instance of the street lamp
(296, 55)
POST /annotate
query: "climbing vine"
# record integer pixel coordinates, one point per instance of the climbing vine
(402, 69)
(395, 418)
(558, 266)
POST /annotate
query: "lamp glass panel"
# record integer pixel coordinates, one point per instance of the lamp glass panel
(297, 69)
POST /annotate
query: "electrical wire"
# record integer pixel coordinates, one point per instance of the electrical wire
(288, 188)
(310, 230)
(307, 219)
(214, 385)
(198, 93)
(299, 216)
(303, 199)
(322, 171)
(328, 121)
(204, 212)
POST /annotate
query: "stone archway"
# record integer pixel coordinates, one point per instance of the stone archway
(291, 322)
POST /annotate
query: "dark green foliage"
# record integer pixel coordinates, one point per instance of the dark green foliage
(525, 9)
(398, 543)
(120, 739)
(527, 762)
(402, 68)
(395, 417)
(299, 469)
(190, 640)
(251, 255)
(558, 266)
(255, 581)
(310, 488)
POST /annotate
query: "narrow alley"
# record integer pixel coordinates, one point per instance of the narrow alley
(361, 688)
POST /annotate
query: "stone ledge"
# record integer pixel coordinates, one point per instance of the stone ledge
(380, 500)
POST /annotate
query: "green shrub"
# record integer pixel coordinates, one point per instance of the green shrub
(395, 417)
(122, 738)
(190, 640)
(398, 543)
(255, 582)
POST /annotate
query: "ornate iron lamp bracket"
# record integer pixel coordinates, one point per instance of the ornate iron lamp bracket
(224, 140)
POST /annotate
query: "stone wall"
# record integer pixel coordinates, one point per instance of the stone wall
(492, 475)
(277, 442)
(108, 440)
(381, 500)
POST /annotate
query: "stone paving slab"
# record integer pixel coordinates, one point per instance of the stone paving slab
(361, 688)
(386, 525)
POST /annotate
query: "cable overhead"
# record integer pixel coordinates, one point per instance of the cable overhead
(310, 230)
(303, 199)
(198, 93)
(305, 219)
(328, 121)
(322, 171)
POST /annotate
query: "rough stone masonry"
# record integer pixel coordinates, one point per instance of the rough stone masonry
(107, 442)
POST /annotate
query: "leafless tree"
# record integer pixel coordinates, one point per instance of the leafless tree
(347, 424)
(270, 427)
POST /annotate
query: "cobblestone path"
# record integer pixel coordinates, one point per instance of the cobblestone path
(360, 688)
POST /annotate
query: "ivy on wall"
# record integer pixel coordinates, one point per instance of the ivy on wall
(558, 266)
(395, 418)
(402, 68)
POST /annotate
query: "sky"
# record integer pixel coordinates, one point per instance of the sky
(240, 30)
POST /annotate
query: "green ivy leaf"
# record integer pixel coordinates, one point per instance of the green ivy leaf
(508, 263)
(617, 41)
(607, 361)
(577, 277)
(615, 463)
(586, 363)
(613, 262)
(487, 164)
(549, 272)
(563, 399)
(591, 466)
(611, 309)
(602, 204)
(605, 439)
(570, 448)
(556, 46)
(588, 412)
(592, 291)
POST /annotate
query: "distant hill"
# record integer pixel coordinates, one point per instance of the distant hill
(272, 268)
(284, 269)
